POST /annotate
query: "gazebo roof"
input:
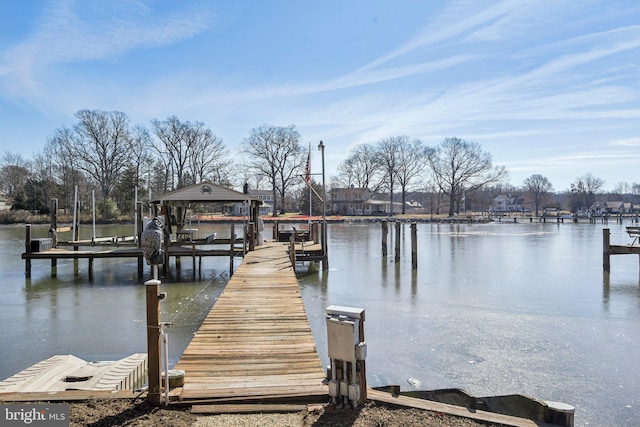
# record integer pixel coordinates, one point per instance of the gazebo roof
(205, 192)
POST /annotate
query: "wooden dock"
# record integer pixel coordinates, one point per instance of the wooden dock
(256, 343)
(127, 247)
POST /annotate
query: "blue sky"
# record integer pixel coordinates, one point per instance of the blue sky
(547, 87)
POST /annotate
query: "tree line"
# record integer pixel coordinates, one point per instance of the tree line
(105, 152)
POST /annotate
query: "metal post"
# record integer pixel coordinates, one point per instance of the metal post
(325, 258)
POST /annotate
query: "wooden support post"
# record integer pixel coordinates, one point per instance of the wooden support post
(362, 381)
(252, 236)
(606, 249)
(54, 214)
(414, 246)
(90, 268)
(153, 340)
(54, 242)
(193, 258)
(140, 267)
(397, 242)
(385, 235)
(232, 239)
(325, 246)
(315, 233)
(275, 231)
(27, 249)
(292, 251)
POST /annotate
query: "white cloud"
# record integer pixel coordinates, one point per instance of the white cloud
(64, 35)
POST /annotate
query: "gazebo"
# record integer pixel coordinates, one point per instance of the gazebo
(174, 205)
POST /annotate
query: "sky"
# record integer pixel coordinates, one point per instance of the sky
(547, 87)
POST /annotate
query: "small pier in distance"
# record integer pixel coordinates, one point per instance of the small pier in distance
(256, 343)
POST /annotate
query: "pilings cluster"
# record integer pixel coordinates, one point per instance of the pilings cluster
(414, 242)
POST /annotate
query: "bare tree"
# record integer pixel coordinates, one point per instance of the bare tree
(537, 190)
(360, 169)
(140, 159)
(460, 166)
(66, 171)
(172, 147)
(207, 155)
(275, 153)
(388, 157)
(101, 144)
(190, 151)
(413, 158)
(14, 171)
(584, 190)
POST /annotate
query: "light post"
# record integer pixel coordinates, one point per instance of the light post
(324, 209)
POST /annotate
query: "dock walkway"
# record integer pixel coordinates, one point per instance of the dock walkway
(256, 342)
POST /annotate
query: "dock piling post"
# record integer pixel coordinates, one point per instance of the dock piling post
(325, 246)
(606, 250)
(153, 340)
(414, 246)
(385, 234)
(252, 236)
(397, 242)
(27, 243)
(232, 239)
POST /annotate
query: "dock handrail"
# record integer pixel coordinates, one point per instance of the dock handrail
(634, 232)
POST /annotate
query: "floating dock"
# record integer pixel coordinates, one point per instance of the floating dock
(68, 372)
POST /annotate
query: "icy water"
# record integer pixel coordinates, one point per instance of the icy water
(492, 308)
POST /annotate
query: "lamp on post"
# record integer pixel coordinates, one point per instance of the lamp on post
(324, 209)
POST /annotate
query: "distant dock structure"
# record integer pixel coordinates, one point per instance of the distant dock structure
(181, 240)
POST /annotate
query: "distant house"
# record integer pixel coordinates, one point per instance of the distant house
(361, 201)
(507, 203)
(4, 202)
(266, 196)
(613, 208)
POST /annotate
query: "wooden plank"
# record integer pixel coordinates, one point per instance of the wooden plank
(460, 411)
(256, 341)
(239, 408)
(68, 395)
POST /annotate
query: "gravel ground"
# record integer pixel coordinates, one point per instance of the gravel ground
(124, 412)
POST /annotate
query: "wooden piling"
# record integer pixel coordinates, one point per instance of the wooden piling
(27, 243)
(153, 340)
(325, 246)
(414, 246)
(292, 251)
(397, 242)
(385, 234)
(252, 236)
(606, 249)
(232, 239)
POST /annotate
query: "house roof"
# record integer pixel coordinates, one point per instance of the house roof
(205, 192)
